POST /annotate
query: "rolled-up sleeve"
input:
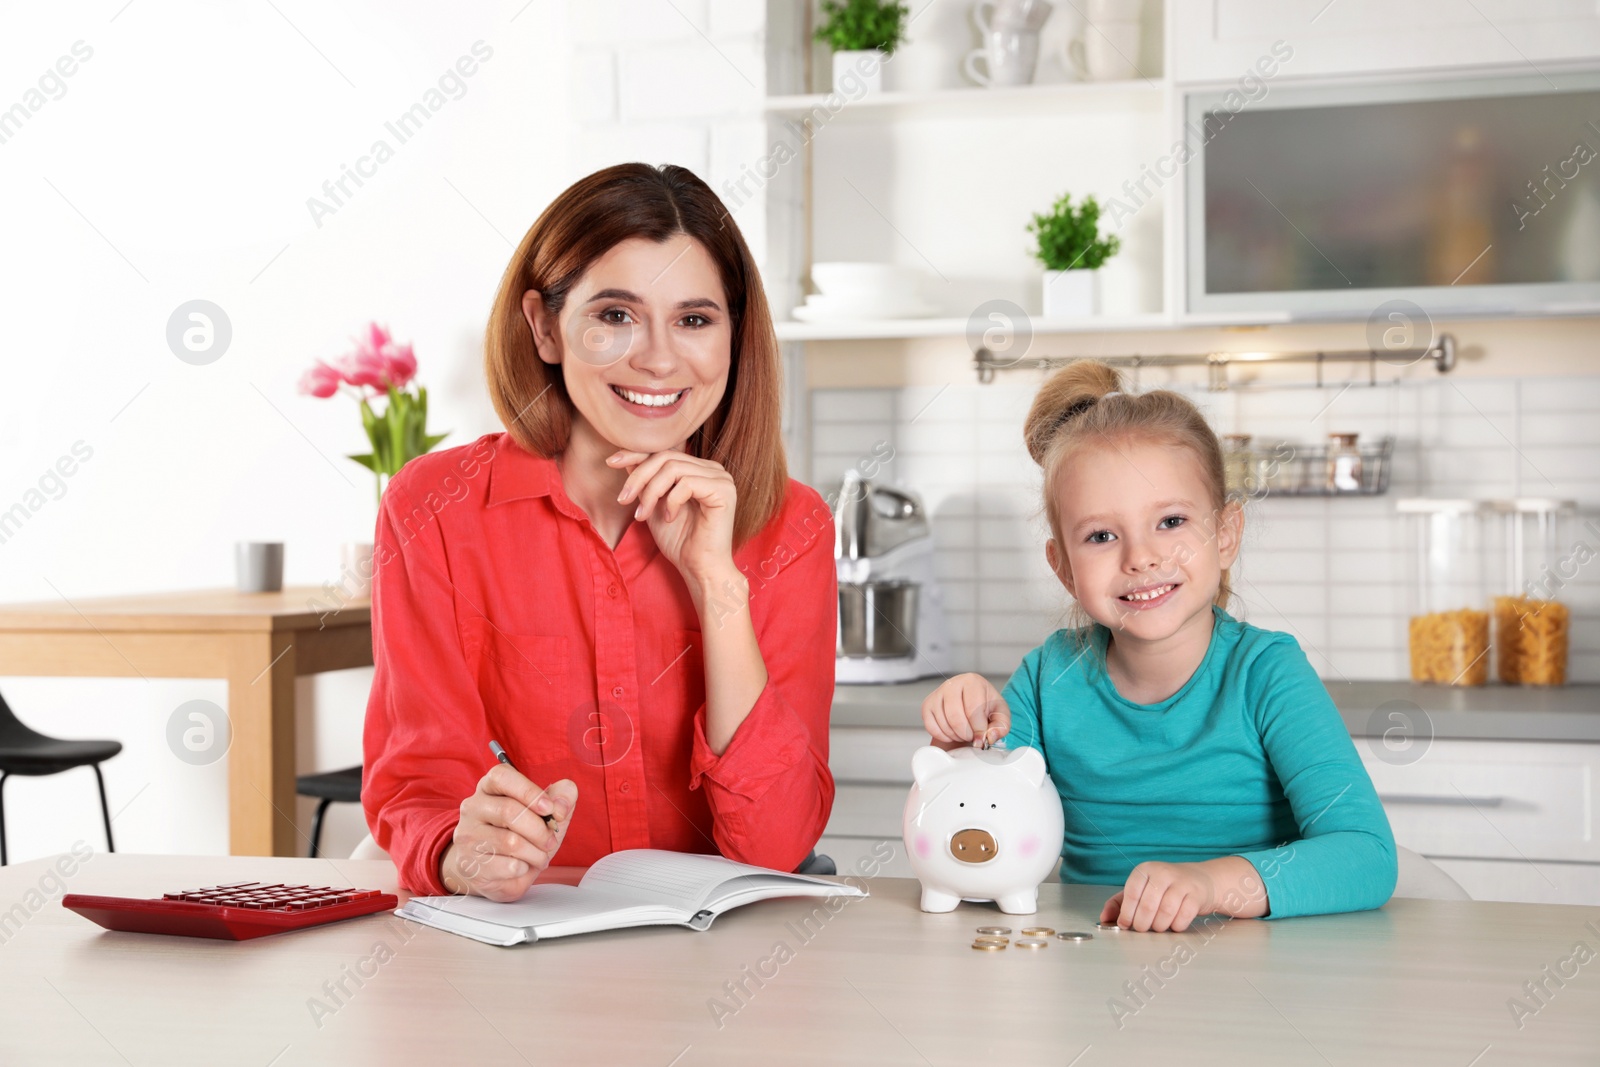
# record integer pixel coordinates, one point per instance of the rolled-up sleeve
(425, 719)
(770, 791)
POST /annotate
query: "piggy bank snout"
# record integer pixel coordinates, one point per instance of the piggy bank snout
(973, 846)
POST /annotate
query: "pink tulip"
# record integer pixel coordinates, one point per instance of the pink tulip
(320, 381)
(377, 338)
(364, 367)
(400, 364)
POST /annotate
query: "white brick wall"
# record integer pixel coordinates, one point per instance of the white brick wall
(1333, 572)
(684, 82)
(670, 81)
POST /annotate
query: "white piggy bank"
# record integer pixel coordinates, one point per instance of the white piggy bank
(982, 825)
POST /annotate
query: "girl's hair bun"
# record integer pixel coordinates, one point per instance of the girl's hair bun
(1066, 394)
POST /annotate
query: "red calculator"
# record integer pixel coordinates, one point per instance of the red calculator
(234, 912)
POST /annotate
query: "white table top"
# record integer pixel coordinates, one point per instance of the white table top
(878, 982)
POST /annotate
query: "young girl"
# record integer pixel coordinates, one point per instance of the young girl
(1201, 763)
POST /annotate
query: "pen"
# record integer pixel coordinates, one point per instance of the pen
(500, 754)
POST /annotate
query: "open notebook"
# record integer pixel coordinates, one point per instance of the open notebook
(634, 887)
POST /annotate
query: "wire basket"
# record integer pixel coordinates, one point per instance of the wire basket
(1288, 469)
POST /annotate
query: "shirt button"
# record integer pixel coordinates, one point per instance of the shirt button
(623, 787)
(611, 590)
(617, 691)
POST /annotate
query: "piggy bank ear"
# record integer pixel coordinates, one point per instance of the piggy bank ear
(927, 762)
(1030, 764)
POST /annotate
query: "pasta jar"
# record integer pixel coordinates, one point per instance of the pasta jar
(1449, 626)
(1530, 624)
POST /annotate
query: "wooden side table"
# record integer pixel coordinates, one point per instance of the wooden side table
(258, 642)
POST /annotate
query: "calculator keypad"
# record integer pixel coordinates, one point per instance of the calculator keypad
(256, 896)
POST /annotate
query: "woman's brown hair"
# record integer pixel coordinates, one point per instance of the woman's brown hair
(1082, 404)
(744, 433)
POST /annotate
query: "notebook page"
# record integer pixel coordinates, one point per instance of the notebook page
(540, 904)
(682, 880)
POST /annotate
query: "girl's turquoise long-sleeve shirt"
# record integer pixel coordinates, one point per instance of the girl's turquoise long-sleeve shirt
(1249, 758)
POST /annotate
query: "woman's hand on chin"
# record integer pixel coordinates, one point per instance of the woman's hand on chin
(689, 504)
(503, 840)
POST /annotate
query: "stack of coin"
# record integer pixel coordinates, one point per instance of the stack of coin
(992, 938)
(1038, 931)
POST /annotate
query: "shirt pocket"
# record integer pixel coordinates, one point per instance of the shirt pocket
(525, 681)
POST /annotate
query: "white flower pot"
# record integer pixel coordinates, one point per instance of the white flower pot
(858, 74)
(1071, 294)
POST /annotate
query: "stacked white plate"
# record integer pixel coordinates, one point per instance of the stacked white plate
(856, 291)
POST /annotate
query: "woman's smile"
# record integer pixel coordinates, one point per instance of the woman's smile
(649, 403)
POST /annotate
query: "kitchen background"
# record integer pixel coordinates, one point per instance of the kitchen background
(1338, 573)
(173, 127)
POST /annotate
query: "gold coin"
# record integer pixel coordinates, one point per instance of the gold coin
(988, 931)
(1074, 935)
(1038, 931)
(988, 945)
(1002, 940)
(1031, 942)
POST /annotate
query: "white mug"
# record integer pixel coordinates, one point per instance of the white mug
(1107, 51)
(1011, 15)
(1113, 10)
(1009, 55)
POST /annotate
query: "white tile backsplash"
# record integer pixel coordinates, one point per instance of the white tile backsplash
(1335, 573)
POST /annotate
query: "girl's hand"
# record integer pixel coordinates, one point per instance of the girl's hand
(689, 504)
(965, 710)
(502, 842)
(1168, 896)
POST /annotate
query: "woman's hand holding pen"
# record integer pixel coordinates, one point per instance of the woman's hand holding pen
(509, 831)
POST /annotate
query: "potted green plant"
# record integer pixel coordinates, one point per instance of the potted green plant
(1072, 251)
(861, 33)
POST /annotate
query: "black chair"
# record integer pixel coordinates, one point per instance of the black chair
(31, 754)
(330, 786)
(817, 864)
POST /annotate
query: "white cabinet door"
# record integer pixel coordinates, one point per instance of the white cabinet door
(1218, 40)
(1500, 800)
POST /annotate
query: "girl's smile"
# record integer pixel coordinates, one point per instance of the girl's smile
(1149, 597)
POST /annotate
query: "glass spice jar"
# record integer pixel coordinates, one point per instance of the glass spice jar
(1238, 465)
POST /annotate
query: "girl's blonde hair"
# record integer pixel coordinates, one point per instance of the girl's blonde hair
(1084, 403)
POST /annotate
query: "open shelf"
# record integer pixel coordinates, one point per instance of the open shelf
(892, 329)
(948, 103)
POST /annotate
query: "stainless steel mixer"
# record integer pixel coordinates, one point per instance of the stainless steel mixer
(891, 610)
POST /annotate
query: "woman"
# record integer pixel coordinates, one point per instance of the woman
(624, 589)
